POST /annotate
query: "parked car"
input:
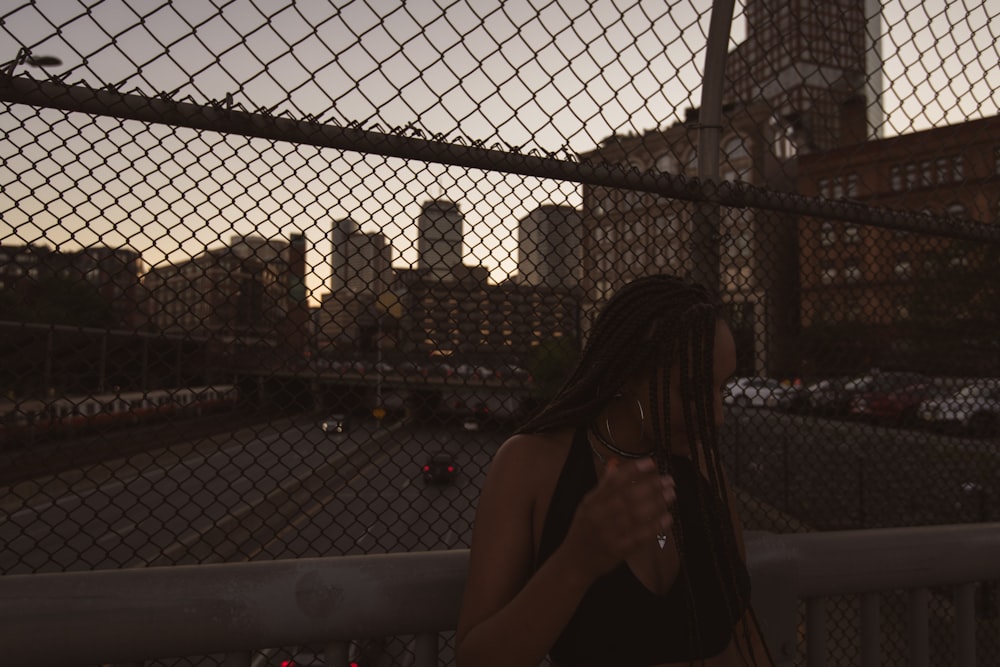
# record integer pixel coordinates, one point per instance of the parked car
(835, 398)
(756, 392)
(335, 424)
(408, 368)
(818, 397)
(465, 370)
(898, 406)
(511, 372)
(975, 409)
(440, 468)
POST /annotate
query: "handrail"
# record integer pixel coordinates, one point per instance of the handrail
(87, 618)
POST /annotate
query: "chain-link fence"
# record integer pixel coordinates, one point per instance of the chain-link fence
(276, 281)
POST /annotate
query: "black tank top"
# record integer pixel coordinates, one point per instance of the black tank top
(620, 621)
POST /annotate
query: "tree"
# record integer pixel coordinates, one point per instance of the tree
(550, 364)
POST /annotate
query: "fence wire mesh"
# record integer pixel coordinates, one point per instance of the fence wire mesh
(276, 281)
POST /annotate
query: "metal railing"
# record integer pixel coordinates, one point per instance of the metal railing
(130, 616)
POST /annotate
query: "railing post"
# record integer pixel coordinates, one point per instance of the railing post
(919, 642)
(816, 632)
(965, 625)
(426, 650)
(871, 632)
(775, 593)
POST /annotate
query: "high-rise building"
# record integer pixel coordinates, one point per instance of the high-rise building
(550, 247)
(439, 245)
(815, 66)
(803, 80)
(361, 271)
(361, 262)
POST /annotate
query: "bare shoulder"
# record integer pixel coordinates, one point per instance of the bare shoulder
(531, 461)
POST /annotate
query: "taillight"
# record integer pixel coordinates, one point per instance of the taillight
(287, 663)
(451, 468)
(427, 468)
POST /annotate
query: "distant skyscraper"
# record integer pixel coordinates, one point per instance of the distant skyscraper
(342, 231)
(550, 246)
(360, 262)
(440, 243)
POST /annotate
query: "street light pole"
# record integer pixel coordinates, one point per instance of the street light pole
(378, 360)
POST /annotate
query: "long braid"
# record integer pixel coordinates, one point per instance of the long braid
(654, 323)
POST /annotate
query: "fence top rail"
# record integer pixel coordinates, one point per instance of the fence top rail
(410, 143)
(123, 615)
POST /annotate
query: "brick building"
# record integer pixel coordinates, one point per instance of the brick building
(883, 281)
(36, 277)
(241, 291)
(464, 317)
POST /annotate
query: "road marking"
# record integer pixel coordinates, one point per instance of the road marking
(340, 457)
(321, 502)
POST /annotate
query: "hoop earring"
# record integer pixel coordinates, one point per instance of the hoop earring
(642, 419)
(609, 441)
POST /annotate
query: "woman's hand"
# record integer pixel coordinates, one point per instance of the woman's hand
(627, 509)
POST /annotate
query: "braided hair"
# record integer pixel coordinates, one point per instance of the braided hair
(648, 326)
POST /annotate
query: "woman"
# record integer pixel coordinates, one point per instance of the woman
(606, 533)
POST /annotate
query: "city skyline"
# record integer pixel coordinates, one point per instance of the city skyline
(555, 78)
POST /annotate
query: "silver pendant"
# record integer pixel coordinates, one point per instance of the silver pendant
(661, 540)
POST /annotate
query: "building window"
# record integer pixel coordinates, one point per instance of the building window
(942, 170)
(852, 234)
(957, 168)
(852, 185)
(828, 275)
(955, 210)
(903, 268)
(926, 173)
(827, 234)
(838, 188)
(852, 273)
(824, 188)
(896, 178)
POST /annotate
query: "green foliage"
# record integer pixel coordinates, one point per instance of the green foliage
(550, 364)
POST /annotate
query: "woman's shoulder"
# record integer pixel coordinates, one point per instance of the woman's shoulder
(534, 458)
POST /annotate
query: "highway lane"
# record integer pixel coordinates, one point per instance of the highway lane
(219, 502)
(294, 492)
(285, 493)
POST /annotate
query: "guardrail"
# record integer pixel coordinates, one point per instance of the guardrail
(128, 616)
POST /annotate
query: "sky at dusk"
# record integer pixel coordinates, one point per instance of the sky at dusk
(530, 73)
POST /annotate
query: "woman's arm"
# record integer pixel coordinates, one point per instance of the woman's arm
(511, 616)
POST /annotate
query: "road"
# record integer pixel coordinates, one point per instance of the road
(274, 494)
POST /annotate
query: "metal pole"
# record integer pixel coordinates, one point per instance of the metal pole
(102, 370)
(705, 223)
